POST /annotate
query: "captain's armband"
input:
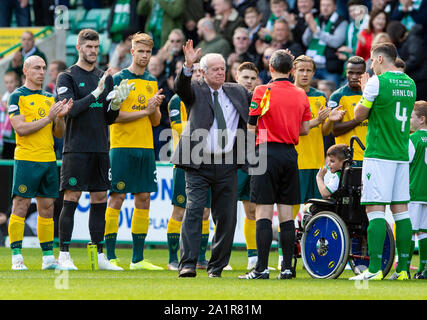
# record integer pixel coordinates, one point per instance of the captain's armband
(366, 103)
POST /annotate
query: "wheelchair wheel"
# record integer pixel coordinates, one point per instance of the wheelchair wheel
(325, 246)
(359, 257)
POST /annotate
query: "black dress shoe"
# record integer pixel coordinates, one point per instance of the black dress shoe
(214, 275)
(187, 272)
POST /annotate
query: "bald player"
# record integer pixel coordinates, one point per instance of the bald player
(36, 117)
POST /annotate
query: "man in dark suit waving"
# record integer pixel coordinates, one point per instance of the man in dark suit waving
(208, 151)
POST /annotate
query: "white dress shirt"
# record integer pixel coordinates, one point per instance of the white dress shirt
(231, 117)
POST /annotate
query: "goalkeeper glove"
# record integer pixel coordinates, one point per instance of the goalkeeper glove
(121, 92)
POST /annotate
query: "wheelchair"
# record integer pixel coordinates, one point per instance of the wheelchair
(335, 230)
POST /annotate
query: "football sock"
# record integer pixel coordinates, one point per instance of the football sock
(111, 229)
(376, 236)
(422, 251)
(295, 210)
(97, 224)
(287, 239)
(66, 224)
(249, 230)
(264, 237)
(204, 240)
(279, 246)
(173, 232)
(45, 235)
(139, 229)
(16, 233)
(411, 252)
(403, 239)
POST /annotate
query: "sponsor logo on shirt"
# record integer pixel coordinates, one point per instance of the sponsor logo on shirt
(138, 107)
(254, 105)
(174, 113)
(95, 104)
(13, 108)
(62, 90)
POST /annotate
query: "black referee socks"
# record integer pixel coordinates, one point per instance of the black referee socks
(97, 223)
(66, 224)
(287, 241)
(264, 237)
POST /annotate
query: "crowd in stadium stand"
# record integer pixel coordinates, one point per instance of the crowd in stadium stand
(329, 31)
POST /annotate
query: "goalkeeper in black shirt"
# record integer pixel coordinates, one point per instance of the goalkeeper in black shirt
(85, 162)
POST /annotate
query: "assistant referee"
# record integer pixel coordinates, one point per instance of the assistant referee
(282, 112)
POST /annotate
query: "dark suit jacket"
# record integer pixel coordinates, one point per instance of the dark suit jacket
(197, 98)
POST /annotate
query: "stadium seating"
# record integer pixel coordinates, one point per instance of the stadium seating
(96, 19)
(71, 51)
(74, 16)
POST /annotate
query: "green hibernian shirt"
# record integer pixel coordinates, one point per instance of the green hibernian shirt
(418, 166)
(391, 97)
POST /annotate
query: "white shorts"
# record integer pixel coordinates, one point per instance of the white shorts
(384, 182)
(418, 215)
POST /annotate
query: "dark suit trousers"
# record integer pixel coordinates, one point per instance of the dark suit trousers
(222, 179)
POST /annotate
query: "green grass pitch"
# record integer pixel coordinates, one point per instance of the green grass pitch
(84, 284)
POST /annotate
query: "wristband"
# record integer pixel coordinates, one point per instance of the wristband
(96, 93)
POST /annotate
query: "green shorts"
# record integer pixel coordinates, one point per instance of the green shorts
(133, 170)
(243, 186)
(35, 179)
(308, 185)
(179, 196)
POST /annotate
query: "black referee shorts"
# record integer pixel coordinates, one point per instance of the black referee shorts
(280, 183)
(85, 171)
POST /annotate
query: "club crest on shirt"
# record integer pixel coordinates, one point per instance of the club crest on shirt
(141, 99)
(42, 112)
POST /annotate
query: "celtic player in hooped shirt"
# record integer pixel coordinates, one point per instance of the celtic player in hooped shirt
(388, 100)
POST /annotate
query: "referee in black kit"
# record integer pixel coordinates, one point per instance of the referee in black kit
(86, 161)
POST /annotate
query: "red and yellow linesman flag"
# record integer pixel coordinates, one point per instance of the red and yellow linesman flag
(265, 102)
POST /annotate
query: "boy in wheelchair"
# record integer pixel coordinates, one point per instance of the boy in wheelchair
(336, 156)
(328, 183)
